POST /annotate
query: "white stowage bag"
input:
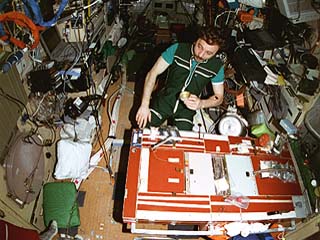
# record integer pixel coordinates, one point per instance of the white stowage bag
(244, 229)
(73, 159)
(79, 130)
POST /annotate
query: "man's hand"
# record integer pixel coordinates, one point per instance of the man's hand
(193, 102)
(143, 116)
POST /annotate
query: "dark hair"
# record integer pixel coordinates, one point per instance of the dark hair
(211, 35)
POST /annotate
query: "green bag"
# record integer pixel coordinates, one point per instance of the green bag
(60, 204)
(260, 129)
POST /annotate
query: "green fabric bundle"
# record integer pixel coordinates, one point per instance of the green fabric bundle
(60, 204)
(260, 129)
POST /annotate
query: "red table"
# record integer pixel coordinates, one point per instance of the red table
(191, 181)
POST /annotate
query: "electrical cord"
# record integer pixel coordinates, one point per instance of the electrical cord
(112, 96)
(228, 17)
(95, 111)
(30, 139)
(109, 104)
(77, 56)
(21, 106)
(90, 5)
(99, 134)
(100, 167)
(47, 142)
(14, 100)
(74, 205)
(79, 37)
(89, 21)
(102, 146)
(39, 105)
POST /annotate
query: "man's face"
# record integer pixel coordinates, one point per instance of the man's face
(203, 51)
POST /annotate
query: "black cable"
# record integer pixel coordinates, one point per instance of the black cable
(67, 50)
(20, 105)
(64, 77)
(14, 100)
(74, 205)
(96, 107)
(99, 137)
(89, 21)
(91, 81)
(75, 139)
(30, 139)
(102, 146)
(203, 121)
(77, 57)
(98, 126)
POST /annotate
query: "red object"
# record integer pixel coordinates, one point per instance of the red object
(12, 232)
(23, 21)
(264, 139)
(240, 100)
(245, 16)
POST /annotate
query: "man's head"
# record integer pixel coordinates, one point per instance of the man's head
(207, 44)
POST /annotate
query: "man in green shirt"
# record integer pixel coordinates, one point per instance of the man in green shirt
(191, 68)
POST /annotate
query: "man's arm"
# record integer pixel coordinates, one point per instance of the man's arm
(218, 89)
(194, 102)
(143, 114)
(159, 67)
(215, 99)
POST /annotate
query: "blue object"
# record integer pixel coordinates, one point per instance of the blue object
(233, 4)
(35, 13)
(262, 236)
(71, 72)
(250, 237)
(288, 127)
(12, 59)
(3, 5)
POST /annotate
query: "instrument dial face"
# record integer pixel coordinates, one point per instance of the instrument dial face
(230, 126)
